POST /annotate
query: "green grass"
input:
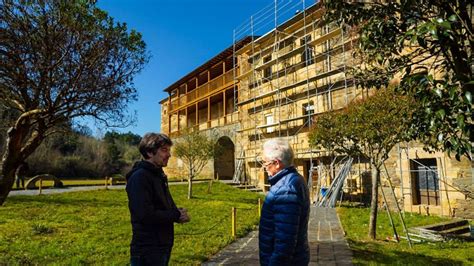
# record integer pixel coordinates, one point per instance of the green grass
(94, 227)
(367, 252)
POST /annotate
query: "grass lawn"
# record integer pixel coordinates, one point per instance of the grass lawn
(367, 252)
(94, 227)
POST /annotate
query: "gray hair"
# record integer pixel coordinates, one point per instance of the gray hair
(278, 149)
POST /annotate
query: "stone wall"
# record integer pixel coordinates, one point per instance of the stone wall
(176, 168)
(455, 182)
(464, 208)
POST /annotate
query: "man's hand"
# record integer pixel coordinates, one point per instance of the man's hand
(184, 217)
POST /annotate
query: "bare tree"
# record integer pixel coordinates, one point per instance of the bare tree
(196, 148)
(61, 60)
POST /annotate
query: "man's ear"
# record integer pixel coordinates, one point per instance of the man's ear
(279, 163)
(150, 154)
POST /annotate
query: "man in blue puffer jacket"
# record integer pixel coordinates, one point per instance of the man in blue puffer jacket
(283, 232)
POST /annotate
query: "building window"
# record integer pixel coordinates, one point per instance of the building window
(267, 72)
(307, 57)
(325, 29)
(269, 121)
(308, 111)
(425, 181)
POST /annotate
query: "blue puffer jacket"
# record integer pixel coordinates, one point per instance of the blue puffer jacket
(283, 232)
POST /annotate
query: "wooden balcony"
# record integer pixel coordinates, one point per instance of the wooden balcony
(217, 122)
(218, 84)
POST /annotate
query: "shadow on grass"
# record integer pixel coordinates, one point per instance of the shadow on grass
(363, 256)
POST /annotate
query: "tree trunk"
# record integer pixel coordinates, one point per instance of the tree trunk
(209, 188)
(190, 181)
(20, 143)
(6, 180)
(190, 187)
(10, 161)
(374, 200)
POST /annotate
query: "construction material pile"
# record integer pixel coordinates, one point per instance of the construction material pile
(332, 193)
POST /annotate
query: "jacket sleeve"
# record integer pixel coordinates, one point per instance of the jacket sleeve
(287, 211)
(141, 205)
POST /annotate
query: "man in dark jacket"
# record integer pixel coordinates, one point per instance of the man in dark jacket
(283, 231)
(152, 209)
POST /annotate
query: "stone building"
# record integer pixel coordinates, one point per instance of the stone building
(275, 85)
(204, 100)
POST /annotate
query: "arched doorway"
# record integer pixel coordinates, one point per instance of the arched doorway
(224, 161)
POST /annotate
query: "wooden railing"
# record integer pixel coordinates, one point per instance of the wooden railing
(204, 90)
(219, 121)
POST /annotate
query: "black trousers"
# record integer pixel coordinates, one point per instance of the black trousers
(161, 258)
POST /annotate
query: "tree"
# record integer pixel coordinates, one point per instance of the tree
(126, 138)
(73, 153)
(369, 128)
(195, 148)
(61, 60)
(121, 150)
(429, 44)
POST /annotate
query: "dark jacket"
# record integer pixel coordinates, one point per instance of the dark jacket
(283, 231)
(152, 209)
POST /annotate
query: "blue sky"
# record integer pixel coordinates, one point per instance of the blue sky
(180, 36)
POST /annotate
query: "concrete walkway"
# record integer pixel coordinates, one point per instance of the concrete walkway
(52, 190)
(326, 240)
(46, 191)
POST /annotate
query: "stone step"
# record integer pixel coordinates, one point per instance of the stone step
(457, 230)
(442, 231)
(446, 225)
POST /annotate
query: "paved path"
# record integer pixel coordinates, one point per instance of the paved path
(326, 240)
(32, 192)
(52, 190)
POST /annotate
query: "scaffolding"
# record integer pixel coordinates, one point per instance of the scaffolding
(296, 67)
(428, 182)
(293, 69)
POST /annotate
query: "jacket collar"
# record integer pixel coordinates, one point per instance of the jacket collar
(151, 167)
(274, 179)
(157, 171)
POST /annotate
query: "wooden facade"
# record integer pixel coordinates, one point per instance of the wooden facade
(204, 100)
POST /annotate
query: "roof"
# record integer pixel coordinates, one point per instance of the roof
(223, 55)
